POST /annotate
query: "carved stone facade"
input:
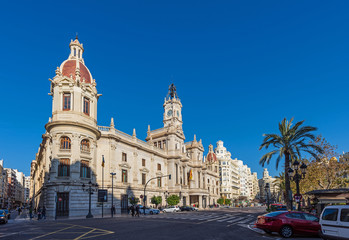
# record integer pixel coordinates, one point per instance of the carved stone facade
(71, 154)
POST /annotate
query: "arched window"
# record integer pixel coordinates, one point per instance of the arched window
(85, 145)
(65, 143)
(74, 52)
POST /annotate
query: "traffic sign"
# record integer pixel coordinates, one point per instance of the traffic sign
(60, 199)
(298, 197)
(141, 196)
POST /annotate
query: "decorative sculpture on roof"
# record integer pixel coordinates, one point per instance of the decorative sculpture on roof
(172, 93)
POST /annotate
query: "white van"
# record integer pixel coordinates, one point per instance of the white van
(334, 221)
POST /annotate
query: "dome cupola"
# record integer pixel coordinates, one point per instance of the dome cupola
(74, 67)
(211, 156)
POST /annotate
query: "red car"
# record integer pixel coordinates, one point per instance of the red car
(287, 223)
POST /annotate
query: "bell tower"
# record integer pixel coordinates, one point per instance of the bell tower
(172, 109)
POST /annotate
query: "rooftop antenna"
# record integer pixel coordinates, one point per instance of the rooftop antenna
(76, 35)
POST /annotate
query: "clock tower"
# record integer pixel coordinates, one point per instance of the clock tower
(172, 109)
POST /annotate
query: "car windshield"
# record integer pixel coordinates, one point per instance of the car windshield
(274, 214)
(2, 212)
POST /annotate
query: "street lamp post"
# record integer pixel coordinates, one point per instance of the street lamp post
(145, 187)
(295, 176)
(90, 191)
(267, 193)
(112, 193)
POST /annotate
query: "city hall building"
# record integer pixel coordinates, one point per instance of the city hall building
(76, 156)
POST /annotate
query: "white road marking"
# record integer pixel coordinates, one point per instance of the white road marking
(236, 220)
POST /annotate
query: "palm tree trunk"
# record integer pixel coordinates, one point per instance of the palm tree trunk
(287, 181)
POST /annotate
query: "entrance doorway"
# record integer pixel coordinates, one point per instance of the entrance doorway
(62, 206)
(184, 201)
(124, 203)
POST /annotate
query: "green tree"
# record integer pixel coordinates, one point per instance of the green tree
(220, 201)
(133, 200)
(173, 200)
(328, 170)
(227, 201)
(156, 200)
(289, 144)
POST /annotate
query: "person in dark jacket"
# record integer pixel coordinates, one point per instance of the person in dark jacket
(132, 211)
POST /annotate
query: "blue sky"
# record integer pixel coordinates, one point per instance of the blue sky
(240, 67)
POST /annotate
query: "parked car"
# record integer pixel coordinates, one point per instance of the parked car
(334, 221)
(171, 209)
(287, 223)
(3, 216)
(278, 207)
(7, 213)
(188, 208)
(150, 211)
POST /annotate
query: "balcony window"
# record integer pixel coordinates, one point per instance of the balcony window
(85, 145)
(65, 143)
(85, 169)
(66, 101)
(86, 106)
(64, 167)
(124, 176)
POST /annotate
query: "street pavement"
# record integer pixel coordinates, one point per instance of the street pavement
(226, 223)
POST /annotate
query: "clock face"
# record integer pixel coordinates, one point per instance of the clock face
(169, 113)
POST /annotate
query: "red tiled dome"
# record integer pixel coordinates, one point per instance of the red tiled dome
(211, 157)
(68, 69)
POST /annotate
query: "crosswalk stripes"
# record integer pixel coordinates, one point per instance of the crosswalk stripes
(236, 220)
(228, 218)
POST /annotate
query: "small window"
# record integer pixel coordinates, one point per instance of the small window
(295, 215)
(85, 145)
(159, 182)
(143, 162)
(156, 144)
(124, 176)
(124, 157)
(79, 53)
(330, 214)
(159, 144)
(74, 52)
(310, 217)
(345, 215)
(159, 167)
(66, 101)
(86, 106)
(64, 167)
(65, 143)
(143, 178)
(85, 169)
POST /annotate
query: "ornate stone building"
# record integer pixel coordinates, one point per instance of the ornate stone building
(273, 190)
(229, 174)
(71, 154)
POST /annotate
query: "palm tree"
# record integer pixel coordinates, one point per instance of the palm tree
(289, 144)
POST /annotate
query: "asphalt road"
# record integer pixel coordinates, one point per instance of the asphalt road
(212, 224)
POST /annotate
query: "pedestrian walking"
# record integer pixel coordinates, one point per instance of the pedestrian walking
(113, 210)
(137, 210)
(43, 212)
(30, 213)
(39, 213)
(19, 211)
(132, 211)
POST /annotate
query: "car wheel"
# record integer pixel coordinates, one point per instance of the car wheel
(151, 212)
(286, 231)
